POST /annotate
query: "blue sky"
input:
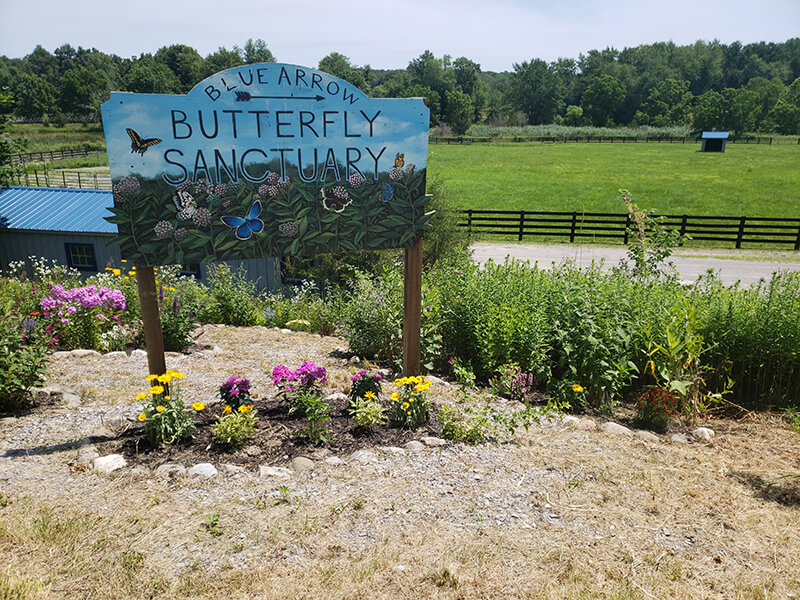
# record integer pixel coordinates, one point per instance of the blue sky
(387, 35)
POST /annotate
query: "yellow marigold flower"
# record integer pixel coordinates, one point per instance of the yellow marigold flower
(160, 408)
(178, 376)
(227, 410)
(157, 390)
(245, 408)
(127, 277)
(142, 417)
(165, 378)
(116, 272)
(141, 396)
(395, 396)
(151, 378)
(123, 260)
(577, 387)
(420, 388)
(411, 398)
(198, 406)
(405, 405)
(369, 394)
(166, 397)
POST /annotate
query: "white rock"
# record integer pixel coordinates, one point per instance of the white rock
(115, 355)
(231, 469)
(87, 455)
(203, 471)
(138, 353)
(265, 472)
(110, 463)
(679, 438)
(83, 353)
(703, 433)
(400, 568)
(436, 381)
(362, 456)
(72, 400)
(433, 442)
(392, 450)
(414, 446)
(334, 461)
(570, 420)
(62, 353)
(140, 471)
(586, 425)
(615, 428)
(301, 463)
(286, 330)
(647, 436)
(336, 397)
(170, 469)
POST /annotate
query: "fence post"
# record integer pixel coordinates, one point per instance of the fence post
(95, 181)
(521, 224)
(79, 181)
(741, 232)
(36, 173)
(572, 227)
(683, 229)
(27, 182)
(469, 221)
(63, 179)
(46, 179)
(627, 229)
(797, 241)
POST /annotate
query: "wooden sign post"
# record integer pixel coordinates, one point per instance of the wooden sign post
(412, 309)
(151, 321)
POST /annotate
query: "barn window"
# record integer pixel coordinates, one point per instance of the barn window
(190, 270)
(81, 257)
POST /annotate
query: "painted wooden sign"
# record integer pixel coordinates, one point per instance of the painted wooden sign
(265, 160)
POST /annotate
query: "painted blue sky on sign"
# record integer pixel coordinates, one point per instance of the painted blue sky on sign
(258, 113)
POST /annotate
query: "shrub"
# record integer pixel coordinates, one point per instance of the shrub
(513, 383)
(25, 344)
(164, 415)
(655, 407)
(410, 406)
(317, 412)
(468, 426)
(235, 392)
(232, 299)
(236, 427)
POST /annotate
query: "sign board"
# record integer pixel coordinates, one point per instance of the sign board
(265, 160)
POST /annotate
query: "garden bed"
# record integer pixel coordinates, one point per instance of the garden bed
(557, 511)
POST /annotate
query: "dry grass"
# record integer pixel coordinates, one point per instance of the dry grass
(587, 515)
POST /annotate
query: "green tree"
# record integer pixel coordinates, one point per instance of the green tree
(432, 100)
(768, 92)
(339, 65)
(709, 112)
(536, 90)
(459, 113)
(786, 112)
(601, 99)
(256, 52)
(574, 116)
(147, 76)
(8, 147)
(669, 103)
(222, 59)
(35, 98)
(184, 61)
(81, 93)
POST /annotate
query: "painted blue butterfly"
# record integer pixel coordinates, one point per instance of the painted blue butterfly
(387, 193)
(248, 225)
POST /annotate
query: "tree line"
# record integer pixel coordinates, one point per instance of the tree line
(706, 85)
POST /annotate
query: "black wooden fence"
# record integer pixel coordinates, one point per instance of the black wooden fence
(66, 179)
(591, 140)
(51, 155)
(574, 225)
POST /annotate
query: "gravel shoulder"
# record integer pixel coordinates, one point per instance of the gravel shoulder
(563, 510)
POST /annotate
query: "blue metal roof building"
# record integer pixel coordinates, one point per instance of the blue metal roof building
(713, 141)
(67, 225)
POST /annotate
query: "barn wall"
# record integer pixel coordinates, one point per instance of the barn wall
(18, 245)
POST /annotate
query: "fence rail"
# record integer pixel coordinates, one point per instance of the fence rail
(66, 179)
(573, 225)
(51, 155)
(592, 140)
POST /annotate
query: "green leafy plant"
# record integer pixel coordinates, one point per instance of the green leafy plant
(361, 383)
(235, 427)
(317, 412)
(462, 373)
(410, 406)
(367, 412)
(164, 414)
(210, 525)
(791, 415)
(513, 383)
(469, 426)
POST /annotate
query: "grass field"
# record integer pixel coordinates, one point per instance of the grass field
(41, 138)
(750, 180)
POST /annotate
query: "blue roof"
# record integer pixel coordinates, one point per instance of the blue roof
(715, 135)
(56, 209)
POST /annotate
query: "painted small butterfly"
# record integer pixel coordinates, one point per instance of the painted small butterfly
(248, 225)
(399, 160)
(138, 144)
(186, 205)
(387, 193)
(334, 203)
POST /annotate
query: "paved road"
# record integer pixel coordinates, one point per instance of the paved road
(690, 263)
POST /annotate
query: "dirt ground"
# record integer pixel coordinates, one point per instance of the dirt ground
(555, 512)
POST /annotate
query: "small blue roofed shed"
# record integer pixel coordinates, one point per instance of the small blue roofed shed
(713, 141)
(67, 225)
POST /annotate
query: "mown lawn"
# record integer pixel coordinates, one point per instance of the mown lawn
(750, 180)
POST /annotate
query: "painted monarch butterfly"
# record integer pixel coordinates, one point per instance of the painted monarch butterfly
(399, 160)
(186, 205)
(387, 193)
(246, 226)
(138, 144)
